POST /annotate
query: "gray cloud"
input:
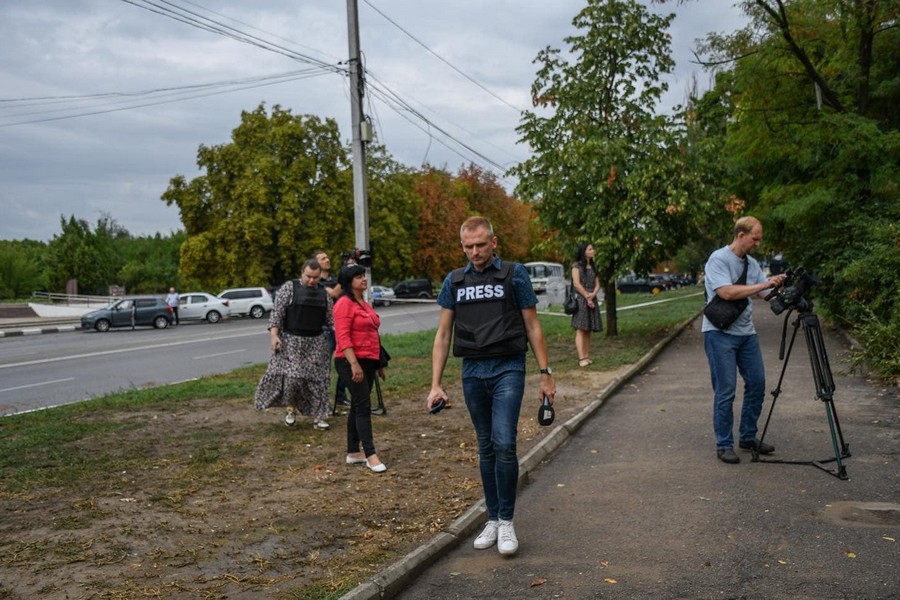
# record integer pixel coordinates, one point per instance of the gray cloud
(120, 162)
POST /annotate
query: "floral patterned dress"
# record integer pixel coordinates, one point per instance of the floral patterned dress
(299, 375)
(587, 319)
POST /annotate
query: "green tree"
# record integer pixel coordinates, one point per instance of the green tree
(813, 142)
(20, 268)
(604, 166)
(393, 212)
(151, 263)
(279, 190)
(87, 256)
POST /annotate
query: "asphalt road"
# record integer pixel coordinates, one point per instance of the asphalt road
(39, 371)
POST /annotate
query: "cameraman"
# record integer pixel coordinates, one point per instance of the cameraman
(736, 348)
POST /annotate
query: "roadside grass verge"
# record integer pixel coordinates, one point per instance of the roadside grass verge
(55, 447)
(184, 490)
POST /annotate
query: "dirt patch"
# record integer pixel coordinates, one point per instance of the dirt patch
(218, 500)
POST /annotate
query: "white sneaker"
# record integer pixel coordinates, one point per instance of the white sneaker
(507, 542)
(488, 536)
(321, 425)
(289, 418)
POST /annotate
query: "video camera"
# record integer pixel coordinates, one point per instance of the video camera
(791, 293)
(360, 257)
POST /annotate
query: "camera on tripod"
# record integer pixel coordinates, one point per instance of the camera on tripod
(792, 293)
(360, 257)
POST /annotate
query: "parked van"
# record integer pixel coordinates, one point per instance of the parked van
(548, 281)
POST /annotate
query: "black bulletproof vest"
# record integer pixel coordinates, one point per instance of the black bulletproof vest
(305, 316)
(488, 322)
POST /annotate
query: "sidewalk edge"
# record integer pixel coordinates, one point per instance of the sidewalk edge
(396, 576)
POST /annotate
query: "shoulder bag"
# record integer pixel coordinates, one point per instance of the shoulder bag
(570, 307)
(722, 313)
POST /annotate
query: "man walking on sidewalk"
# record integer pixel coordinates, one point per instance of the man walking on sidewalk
(734, 276)
(488, 310)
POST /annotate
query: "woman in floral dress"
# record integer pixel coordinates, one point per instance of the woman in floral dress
(299, 371)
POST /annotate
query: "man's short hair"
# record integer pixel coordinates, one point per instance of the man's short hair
(312, 264)
(745, 225)
(473, 223)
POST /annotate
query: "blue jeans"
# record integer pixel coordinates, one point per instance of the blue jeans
(728, 355)
(494, 405)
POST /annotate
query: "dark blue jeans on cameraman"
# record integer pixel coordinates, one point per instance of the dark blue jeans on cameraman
(728, 355)
(494, 404)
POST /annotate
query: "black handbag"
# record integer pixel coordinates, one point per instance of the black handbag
(722, 313)
(383, 357)
(570, 307)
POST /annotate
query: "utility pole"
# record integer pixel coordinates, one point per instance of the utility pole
(361, 135)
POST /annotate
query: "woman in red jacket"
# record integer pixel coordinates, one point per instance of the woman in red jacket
(357, 353)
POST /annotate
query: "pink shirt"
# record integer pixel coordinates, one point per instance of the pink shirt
(356, 326)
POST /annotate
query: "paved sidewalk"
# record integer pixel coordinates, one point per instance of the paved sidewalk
(633, 503)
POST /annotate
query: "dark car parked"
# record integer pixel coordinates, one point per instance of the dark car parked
(631, 284)
(663, 282)
(130, 312)
(414, 288)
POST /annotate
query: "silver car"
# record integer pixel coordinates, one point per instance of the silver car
(200, 305)
(382, 296)
(253, 301)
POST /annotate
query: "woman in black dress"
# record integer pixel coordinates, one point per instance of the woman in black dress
(588, 317)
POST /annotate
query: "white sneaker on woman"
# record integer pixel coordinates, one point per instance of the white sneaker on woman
(488, 536)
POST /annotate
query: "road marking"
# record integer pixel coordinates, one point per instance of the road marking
(220, 354)
(44, 361)
(31, 385)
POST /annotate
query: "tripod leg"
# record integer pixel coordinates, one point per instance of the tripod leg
(754, 454)
(818, 357)
(822, 372)
(832, 417)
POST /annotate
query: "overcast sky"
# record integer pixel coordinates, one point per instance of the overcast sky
(88, 126)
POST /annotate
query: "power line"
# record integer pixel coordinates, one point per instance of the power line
(178, 97)
(441, 58)
(166, 95)
(197, 20)
(403, 109)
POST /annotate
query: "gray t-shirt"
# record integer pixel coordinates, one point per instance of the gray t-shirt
(724, 268)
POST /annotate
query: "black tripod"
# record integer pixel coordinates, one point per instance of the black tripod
(818, 357)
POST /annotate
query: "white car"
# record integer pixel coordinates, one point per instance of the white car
(382, 296)
(200, 305)
(253, 301)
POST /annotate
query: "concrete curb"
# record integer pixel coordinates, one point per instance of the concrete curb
(37, 330)
(394, 578)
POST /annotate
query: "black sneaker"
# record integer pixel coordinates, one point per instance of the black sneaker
(760, 447)
(727, 455)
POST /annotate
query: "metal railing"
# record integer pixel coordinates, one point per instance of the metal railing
(70, 299)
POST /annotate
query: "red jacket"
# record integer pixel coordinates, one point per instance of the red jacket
(356, 326)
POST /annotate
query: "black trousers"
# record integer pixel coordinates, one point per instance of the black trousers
(359, 419)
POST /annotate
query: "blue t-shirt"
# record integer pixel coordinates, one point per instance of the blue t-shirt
(485, 368)
(725, 268)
